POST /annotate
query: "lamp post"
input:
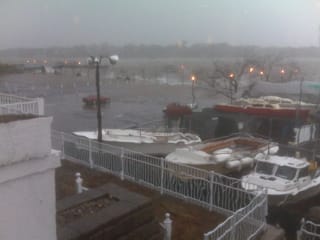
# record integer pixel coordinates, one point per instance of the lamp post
(261, 73)
(193, 79)
(231, 78)
(97, 61)
(282, 72)
(298, 108)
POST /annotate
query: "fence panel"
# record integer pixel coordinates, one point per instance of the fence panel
(7, 98)
(245, 223)
(76, 148)
(309, 231)
(186, 182)
(142, 168)
(106, 156)
(10, 104)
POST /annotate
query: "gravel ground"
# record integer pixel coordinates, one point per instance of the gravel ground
(84, 209)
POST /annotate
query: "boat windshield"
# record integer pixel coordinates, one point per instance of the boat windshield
(265, 168)
(286, 172)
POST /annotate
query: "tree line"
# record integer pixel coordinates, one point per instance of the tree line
(220, 50)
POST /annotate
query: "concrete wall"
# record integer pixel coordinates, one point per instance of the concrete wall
(27, 184)
(27, 202)
(24, 139)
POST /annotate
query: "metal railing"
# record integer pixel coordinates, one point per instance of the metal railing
(245, 223)
(11, 104)
(247, 210)
(7, 98)
(309, 231)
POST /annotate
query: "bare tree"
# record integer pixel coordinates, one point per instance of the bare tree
(230, 74)
(266, 64)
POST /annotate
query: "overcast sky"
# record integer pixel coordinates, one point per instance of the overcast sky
(43, 23)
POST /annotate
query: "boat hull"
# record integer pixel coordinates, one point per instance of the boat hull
(143, 141)
(174, 110)
(289, 198)
(265, 112)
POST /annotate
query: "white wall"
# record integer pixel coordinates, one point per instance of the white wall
(27, 200)
(24, 139)
(27, 180)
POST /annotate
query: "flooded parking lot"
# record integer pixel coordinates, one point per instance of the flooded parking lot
(132, 103)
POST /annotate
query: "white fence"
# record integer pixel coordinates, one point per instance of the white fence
(245, 223)
(11, 104)
(247, 210)
(309, 231)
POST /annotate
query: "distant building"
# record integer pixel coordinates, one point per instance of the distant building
(34, 68)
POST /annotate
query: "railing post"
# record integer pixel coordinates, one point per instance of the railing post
(233, 227)
(211, 191)
(167, 224)
(162, 175)
(265, 210)
(19, 108)
(122, 164)
(79, 183)
(62, 147)
(90, 153)
(265, 199)
(40, 102)
(299, 232)
(205, 236)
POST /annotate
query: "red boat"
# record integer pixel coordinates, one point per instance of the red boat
(177, 110)
(92, 100)
(265, 110)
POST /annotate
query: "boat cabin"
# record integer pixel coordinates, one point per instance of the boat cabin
(281, 173)
(286, 179)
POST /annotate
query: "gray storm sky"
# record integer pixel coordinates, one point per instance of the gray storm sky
(43, 23)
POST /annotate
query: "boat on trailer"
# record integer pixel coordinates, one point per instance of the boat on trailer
(227, 155)
(287, 179)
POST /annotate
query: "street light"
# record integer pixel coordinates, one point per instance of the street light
(282, 72)
(231, 78)
(298, 110)
(97, 61)
(261, 74)
(193, 79)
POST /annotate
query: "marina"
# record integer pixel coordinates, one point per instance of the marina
(188, 161)
(160, 120)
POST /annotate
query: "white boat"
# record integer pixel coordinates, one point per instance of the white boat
(287, 179)
(141, 136)
(144, 140)
(225, 155)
